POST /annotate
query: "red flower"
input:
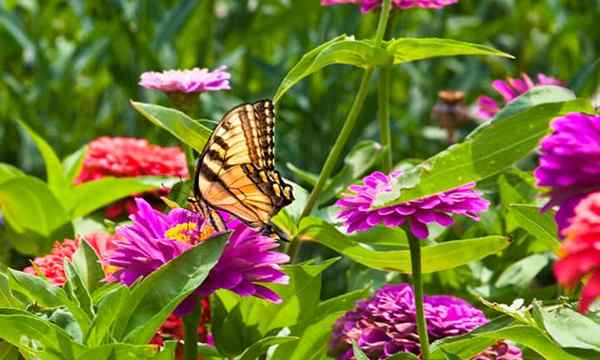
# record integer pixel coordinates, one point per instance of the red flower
(128, 157)
(580, 252)
(51, 265)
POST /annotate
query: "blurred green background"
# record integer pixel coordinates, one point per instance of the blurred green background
(69, 68)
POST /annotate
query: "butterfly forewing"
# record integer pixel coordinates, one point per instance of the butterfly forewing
(236, 171)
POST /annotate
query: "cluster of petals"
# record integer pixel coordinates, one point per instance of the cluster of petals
(580, 251)
(187, 81)
(51, 266)
(357, 214)
(385, 325)
(570, 162)
(510, 89)
(249, 259)
(368, 5)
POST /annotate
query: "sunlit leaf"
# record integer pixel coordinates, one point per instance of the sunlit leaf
(261, 346)
(541, 225)
(411, 49)
(569, 328)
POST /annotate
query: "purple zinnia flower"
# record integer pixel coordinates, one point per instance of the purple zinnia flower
(155, 238)
(510, 89)
(187, 81)
(570, 163)
(367, 5)
(358, 216)
(386, 323)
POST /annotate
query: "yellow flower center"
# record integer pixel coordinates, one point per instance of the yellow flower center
(182, 232)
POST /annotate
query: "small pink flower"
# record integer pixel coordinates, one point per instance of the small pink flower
(510, 89)
(187, 81)
(368, 5)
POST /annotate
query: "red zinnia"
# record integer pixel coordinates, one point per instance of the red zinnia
(51, 265)
(580, 252)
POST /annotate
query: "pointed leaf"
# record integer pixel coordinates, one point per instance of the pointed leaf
(186, 129)
(412, 49)
(541, 225)
(107, 313)
(8, 172)
(438, 257)
(73, 163)
(260, 347)
(87, 264)
(570, 329)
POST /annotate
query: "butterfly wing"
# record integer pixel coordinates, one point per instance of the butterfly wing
(236, 173)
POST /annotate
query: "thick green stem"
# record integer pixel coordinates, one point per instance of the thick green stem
(417, 280)
(383, 94)
(190, 327)
(384, 16)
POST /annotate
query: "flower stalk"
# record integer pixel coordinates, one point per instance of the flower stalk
(417, 280)
(190, 327)
(383, 93)
(349, 124)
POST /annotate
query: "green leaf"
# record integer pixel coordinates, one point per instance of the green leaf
(541, 225)
(341, 50)
(358, 354)
(36, 336)
(77, 291)
(495, 146)
(107, 313)
(8, 351)
(467, 346)
(7, 300)
(260, 347)
(520, 274)
(92, 195)
(341, 303)
(570, 329)
(403, 356)
(412, 49)
(34, 213)
(438, 257)
(186, 129)
(73, 163)
(154, 299)
(119, 352)
(87, 264)
(172, 22)
(45, 294)
(8, 172)
(54, 170)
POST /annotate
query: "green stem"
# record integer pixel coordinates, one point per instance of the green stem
(384, 16)
(190, 327)
(384, 116)
(415, 260)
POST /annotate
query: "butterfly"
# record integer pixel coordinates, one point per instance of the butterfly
(235, 172)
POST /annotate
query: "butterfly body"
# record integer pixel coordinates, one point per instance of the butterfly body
(235, 171)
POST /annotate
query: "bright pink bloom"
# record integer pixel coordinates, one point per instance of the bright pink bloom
(580, 252)
(367, 5)
(187, 81)
(510, 89)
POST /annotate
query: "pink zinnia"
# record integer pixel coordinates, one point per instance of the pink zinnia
(510, 89)
(358, 216)
(187, 81)
(367, 5)
(580, 252)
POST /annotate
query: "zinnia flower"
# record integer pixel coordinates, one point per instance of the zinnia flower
(155, 238)
(510, 89)
(51, 266)
(129, 157)
(367, 5)
(187, 81)
(580, 252)
(358, 216)
(386, 324)
(570, 163)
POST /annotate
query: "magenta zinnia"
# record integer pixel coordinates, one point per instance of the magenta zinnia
(155, 238)
(510, 89)
(570, 163)
(367, 5)
(358, 215)
(187, 81)
(386, 324)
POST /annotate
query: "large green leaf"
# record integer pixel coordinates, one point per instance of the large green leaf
(341, 50)
(186, 129)
(87, 264)
(569, 328)
(54, 170)
(87, 197)
(467, 346)
(411, 49)
(154, 299)
(438, 257)
(34, 213)
(520, 274)
(37, 337)
(493, 147)
(77, 291)
(541, 225)
(8, 172)
(106, 314)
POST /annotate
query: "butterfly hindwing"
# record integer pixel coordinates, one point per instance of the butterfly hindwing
(236, 173)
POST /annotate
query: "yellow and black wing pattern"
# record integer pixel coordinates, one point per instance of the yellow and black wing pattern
(235, 172)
